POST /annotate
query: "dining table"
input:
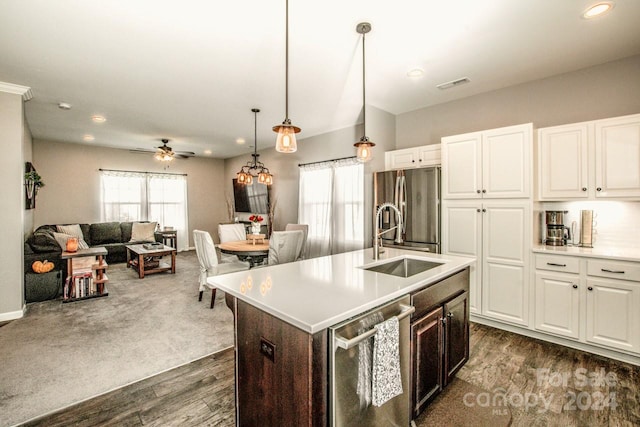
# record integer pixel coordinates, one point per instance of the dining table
(247, 250)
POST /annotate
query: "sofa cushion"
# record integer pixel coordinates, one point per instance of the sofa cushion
(73, 230)
(105, 232)
(125, 230)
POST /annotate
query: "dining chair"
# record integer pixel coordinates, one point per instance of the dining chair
(285, 246)
(305, 229)
(209, 263)
(231, 233)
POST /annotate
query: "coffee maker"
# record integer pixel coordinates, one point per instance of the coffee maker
(556, 231)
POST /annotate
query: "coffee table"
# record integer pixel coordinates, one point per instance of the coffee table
(147, 261)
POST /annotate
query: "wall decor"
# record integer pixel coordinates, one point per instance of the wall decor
(32, 182)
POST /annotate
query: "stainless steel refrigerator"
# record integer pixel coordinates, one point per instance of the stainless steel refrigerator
(416, 192)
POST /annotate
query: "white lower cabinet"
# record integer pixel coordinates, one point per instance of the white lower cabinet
(497, 234)
(613, 314)
(557, 304)
(577, 298)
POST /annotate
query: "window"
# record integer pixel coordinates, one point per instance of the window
(140, 196)
(331, 202)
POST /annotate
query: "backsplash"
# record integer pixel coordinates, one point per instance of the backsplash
(616, 224)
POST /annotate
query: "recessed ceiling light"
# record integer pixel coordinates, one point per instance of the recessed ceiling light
(98, 119)
(240, 141)
(88, 138)
(416, 72)
(207, 152)
(597, 10)
(64, 106)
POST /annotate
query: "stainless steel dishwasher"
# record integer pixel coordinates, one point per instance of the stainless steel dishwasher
(345, 339)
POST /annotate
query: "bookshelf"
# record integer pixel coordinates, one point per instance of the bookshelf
(86, 274)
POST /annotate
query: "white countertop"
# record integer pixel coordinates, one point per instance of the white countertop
(621, 254)
(320, 292)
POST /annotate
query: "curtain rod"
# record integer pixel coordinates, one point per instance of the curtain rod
(149, 173)
(326, 161)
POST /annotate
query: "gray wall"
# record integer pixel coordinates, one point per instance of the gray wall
(12, 212)
(331, 145)
(72, 192)
(607, 90)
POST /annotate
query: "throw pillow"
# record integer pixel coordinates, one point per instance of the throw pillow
(61, 238)
(143, 232)
(73, 230)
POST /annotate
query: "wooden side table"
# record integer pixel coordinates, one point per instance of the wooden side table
(169, 238)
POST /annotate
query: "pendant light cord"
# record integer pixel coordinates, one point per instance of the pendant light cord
(286, 73)
(364, 108)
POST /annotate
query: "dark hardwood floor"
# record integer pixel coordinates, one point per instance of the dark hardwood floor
(563, 387)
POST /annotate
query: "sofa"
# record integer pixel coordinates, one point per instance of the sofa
(113, 236)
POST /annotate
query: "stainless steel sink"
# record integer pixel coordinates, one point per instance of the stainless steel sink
(404, 267)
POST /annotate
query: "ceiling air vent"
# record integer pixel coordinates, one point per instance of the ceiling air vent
(453, 83)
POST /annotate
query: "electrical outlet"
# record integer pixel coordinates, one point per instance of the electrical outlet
(268, 349)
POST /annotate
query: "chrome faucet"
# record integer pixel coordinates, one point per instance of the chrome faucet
(377, 244)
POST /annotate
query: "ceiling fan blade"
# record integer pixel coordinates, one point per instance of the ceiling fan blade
(185, 153)
(141, 150)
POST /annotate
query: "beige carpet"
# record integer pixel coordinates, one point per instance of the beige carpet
(60, 354)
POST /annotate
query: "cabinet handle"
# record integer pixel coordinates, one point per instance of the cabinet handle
(590, 288)
(419, 160)
(413, 161)
(556, 265)
(478, 191)
(599, 189)
(606, 270)
(478, 210)
(575, 286)
(584, 188)
(449, 315)
(484, 191)
(484, 210)
(444, 320)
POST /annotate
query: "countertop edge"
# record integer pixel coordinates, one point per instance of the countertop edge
(619, 254)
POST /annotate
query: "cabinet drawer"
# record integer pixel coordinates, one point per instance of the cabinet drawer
(614, 269)
(438, 293)
(558, 263)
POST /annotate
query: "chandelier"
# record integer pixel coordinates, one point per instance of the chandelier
(255, 168)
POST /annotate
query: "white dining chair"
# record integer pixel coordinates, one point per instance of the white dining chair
(305, 230)
(285, 246)
(231, 233)
(209, 263)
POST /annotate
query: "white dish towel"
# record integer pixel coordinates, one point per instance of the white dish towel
(386, 381)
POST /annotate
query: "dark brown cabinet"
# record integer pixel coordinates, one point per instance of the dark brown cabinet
(439, 337)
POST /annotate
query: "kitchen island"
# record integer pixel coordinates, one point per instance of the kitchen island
(282, 317)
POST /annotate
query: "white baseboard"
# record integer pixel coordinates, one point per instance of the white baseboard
(12, 315)
(612, 354)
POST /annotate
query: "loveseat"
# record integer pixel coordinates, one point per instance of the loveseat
(41, 244)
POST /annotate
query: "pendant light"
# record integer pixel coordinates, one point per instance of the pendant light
(286, 139)
(254, 168)
(364, 145)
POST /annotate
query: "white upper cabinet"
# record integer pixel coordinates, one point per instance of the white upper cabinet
(492, 164)
(618, 157)
(589, 160)
(563, 159)
(415, 157)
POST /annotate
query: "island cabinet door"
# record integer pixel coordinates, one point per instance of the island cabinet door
(281, 372)
(427, 342)
(456, 341)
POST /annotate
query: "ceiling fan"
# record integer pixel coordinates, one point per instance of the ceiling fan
(165, 153)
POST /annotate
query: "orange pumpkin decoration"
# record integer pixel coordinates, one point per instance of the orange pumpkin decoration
(42, 266)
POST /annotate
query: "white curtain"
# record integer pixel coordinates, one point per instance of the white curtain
(331, 202)
(139, 196)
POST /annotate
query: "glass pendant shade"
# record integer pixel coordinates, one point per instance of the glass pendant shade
(249, 180)
(364, 151)
(242, 178)
(286, 139)
(269, 180)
